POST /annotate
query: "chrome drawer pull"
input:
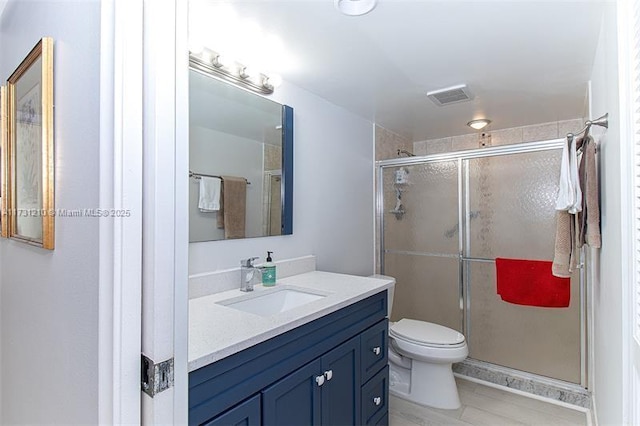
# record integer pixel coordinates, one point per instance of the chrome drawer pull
(376, 350)
(328, 374)
(320, 380)
(377, 400)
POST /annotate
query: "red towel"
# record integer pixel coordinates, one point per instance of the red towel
(530, 282)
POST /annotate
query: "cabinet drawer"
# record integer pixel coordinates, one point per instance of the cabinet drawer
(373, 349)
(246, 413)
(375, 397)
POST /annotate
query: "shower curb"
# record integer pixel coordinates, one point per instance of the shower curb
(568, 393)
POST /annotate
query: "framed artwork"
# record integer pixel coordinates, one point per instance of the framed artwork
(3, 167)
(28, 151)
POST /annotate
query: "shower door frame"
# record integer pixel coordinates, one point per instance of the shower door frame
(463, 240)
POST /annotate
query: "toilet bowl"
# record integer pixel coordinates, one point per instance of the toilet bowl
(420, 358)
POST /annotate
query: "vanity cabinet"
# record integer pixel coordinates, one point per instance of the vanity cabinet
(244, 414)
(331, 371)
(323, 392)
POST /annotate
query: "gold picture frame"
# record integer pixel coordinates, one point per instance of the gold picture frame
(28, 202)
(4, 221)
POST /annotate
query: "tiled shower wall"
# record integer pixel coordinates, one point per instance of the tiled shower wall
(388, 143)
(387, 146)
(533, 133)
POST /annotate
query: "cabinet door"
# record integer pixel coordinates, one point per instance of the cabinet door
(375, 399)
(295, 399)
(341, 390)
(246, 413)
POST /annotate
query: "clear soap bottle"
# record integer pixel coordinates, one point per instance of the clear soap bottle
(269, 272)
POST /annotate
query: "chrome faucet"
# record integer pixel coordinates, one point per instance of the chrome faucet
(247, 273)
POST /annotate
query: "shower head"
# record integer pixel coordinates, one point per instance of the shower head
(407, 153)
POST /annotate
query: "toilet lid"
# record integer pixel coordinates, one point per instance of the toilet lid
(425, 332)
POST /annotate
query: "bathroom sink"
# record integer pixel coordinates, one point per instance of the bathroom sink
(272, 302)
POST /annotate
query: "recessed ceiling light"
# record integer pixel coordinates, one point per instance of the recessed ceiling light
(355, 7)
(479, 124)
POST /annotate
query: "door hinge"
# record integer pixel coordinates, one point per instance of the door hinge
(156, 377)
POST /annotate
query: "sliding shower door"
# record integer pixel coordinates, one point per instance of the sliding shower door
(442, 229)
(510, 213)
(421, 242)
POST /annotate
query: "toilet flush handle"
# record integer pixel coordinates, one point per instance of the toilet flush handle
(376, 350)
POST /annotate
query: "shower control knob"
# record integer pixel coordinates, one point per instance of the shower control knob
(320, 380)
(376, 350)
(377, 400)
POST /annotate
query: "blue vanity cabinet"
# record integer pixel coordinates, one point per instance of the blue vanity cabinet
(323, 392)
(247, 413)
(375, 397)
(341, 389)
(311, 375)
(294, 400)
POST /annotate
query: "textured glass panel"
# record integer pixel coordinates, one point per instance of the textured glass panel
(430, 202)
(426, 289)
(543, 341)
(512, 205)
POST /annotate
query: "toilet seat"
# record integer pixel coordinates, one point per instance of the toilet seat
(426, 334)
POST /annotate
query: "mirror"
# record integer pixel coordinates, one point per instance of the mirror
(240, 162)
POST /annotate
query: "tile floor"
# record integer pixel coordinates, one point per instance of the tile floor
(484, 405)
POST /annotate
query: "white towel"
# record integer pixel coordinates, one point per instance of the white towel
(209, 200)
(569, 194)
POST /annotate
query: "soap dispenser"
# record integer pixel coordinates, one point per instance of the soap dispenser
(269, 272)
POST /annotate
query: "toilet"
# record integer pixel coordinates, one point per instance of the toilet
(420, 358)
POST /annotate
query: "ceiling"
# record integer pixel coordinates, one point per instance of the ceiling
(526, 62)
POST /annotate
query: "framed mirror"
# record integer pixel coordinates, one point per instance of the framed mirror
(240, 162)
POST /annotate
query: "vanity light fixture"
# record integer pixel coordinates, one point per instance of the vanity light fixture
(479, 124)
(272, 81)
(211, 62)
(355, 7)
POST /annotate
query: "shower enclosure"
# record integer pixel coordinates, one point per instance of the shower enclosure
(460, 211)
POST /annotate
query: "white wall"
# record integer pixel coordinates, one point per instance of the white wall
(49, 299)
(332, 191)
(608, 287)
(243, 158)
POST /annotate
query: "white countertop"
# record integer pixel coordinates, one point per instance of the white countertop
(217, 331)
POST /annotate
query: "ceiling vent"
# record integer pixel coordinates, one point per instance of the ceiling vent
(450, 95)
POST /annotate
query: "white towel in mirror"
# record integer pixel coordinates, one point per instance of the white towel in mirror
(209, 200)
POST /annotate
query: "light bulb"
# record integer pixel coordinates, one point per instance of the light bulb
(206, 56)
(195, 47)
(222, 61)
(273, 81)
(246, 72)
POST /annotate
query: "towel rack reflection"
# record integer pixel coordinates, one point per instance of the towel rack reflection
(199, 175)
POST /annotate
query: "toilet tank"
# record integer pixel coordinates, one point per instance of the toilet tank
(390, 291)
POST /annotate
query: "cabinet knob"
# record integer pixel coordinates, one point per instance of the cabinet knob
(376, 350)
(328, 374)
(320, 380)
(377, 400)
